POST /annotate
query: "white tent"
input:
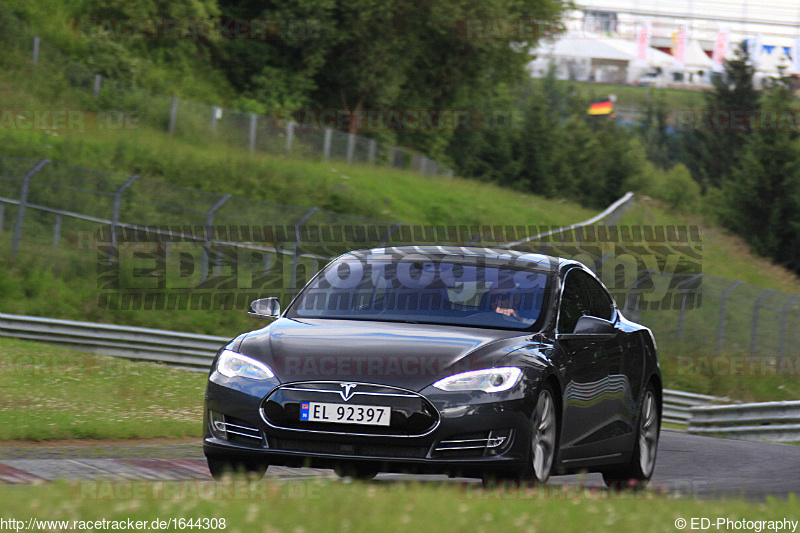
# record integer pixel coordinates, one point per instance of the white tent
(769, 62)
(696, 58)
(584, 56)
(592, 46)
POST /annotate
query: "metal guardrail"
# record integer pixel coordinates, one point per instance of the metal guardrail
(180, 349)
(769, 421)
(607, 212)
(678, 404)
(699, 412)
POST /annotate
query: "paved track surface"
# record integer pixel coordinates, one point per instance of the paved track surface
(687, 465)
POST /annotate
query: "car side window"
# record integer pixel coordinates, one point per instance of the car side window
(574, 302)
(600, 303)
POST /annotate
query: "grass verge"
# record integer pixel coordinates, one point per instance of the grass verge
(48, 392)
(334, 506)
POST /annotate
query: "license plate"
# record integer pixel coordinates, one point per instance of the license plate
(369, 415)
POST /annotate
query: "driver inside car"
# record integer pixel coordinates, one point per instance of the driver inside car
(500, 301)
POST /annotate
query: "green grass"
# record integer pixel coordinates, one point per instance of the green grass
(333, 506)
(630, 96)
(49, 392)
(63, 282)
(724, 255)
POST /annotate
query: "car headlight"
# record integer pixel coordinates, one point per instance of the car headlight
(232, 364)
(488, 380)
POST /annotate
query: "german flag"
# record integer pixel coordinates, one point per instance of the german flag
(601, 107)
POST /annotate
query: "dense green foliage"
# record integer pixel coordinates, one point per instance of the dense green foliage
(534, 136)
(761, 199)
(712, 152)
(749, 167)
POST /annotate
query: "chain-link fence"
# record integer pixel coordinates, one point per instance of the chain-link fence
(134, 107)
(51, 206)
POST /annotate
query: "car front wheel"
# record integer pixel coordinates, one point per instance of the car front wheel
(544, 436)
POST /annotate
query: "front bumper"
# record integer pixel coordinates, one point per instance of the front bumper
(475, 433)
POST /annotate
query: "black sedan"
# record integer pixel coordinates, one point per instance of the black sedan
(466, 361)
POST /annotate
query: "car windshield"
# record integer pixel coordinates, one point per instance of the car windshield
(425, 291)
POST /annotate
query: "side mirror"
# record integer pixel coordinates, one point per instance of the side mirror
(591, 325)
(265, 308)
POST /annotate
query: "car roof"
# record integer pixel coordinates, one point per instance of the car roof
(495, 255)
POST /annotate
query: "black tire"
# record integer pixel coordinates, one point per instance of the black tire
(220, 468)
(636, 474)
(355, 471)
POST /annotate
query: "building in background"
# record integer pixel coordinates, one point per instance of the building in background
(696, 35)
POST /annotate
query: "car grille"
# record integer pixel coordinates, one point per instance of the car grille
(339, 448)
(473, 444)
(412, 415)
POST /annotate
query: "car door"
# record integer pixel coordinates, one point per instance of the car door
(620, 381)
(591, 406)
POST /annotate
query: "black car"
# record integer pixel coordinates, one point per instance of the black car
(467, 361)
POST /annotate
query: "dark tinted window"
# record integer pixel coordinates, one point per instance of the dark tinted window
(600, 304)
(582, 295)
(426, 291)
(573, 302)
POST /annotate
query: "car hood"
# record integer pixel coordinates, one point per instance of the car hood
(410, 356)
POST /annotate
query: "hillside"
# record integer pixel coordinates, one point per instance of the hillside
(63, 282)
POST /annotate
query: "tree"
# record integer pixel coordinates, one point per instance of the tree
(714, 144)
(388, 54)
(762, 197)
(663, 146)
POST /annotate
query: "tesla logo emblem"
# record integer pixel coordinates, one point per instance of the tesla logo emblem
(347, 391)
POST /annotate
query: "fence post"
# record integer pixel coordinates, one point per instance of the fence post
(251, 136)
(296, 252)
(56, 231)
(36, 42)
(98, 80)
(289, 136)
(117, 204)
(632, 301)
(415, 165)
(23, 200)
(214, 111)
(373, 148)
(210, 234)
(389, 232)
(173, 114)
(326, 145)
(784, 317)
(681, 313)
(351, 146)
(391, 156)
(2, 215)
(756, 306)
(721, 326)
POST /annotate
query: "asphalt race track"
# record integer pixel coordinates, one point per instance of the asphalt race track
(687, 465)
